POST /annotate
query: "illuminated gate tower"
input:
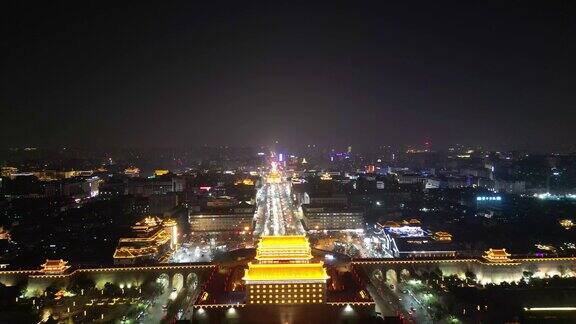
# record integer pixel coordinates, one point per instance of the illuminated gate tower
(284, 273)
(274, 176)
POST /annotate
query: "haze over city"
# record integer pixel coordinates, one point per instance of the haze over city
(496, 74)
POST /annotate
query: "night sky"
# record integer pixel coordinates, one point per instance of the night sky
(191, 73)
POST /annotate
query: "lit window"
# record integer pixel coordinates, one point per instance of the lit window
(313, 300)
(301, 286)
(313, 295)
(289, 301)
(307, 296)
(301, 301)
(301, 295)
(277, 302)
(307, 285)
(307, 290)
(307, 300)
(257, 302)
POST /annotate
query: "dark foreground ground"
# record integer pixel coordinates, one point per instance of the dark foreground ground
(294, 314)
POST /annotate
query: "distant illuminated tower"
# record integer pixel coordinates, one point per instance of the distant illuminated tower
(132, 172)
(326, 176)
(274, 176)
(497, 256)
(54, 267)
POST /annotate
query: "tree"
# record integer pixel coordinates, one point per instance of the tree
(153, 288)
(80, 282)
(51, 290)
(437, 273)
(111, 289)
(21, 287)
(51, 320)
(563, 270)
(470, 276)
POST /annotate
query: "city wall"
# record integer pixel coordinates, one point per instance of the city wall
(485, 272)
(36, 282)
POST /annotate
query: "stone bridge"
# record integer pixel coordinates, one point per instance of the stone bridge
(171, 275)
(486, 272)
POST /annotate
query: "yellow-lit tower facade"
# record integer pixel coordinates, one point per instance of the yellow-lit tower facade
(274, 176)
(284, 273)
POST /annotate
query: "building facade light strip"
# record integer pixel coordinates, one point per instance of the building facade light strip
(550, 309)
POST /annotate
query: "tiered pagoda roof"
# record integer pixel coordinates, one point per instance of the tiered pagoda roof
(284, 259)
(54, 267)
